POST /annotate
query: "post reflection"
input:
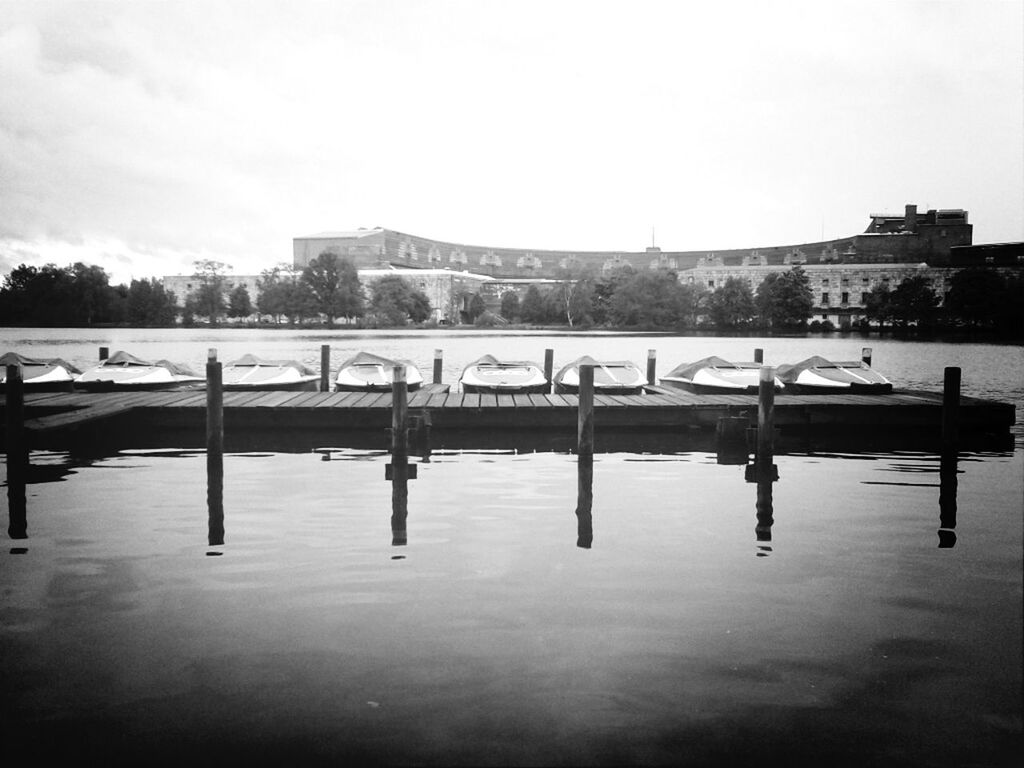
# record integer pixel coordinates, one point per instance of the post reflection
(399, 508)
(585, 501)
(947, 499)
(215, 498)
(765, 519)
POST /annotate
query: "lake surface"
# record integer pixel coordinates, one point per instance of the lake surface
(848, 623)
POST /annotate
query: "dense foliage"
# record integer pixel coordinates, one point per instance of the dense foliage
(978, 299)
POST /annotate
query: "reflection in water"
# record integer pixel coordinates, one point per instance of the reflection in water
(215, 496)
(585, 501)
(399, 507)
(947, 499)
(765, 519)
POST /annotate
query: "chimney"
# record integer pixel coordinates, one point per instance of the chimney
(910, 218)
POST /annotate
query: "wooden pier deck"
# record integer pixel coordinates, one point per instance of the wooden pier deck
(53, 415)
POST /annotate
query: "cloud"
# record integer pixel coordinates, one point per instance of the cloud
(154, 134)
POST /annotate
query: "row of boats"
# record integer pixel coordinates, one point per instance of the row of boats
(366, 372)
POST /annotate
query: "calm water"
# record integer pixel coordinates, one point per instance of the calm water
(690, 632)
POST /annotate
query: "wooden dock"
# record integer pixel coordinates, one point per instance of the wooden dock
(51, 417)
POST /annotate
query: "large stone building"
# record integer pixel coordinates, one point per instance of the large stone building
(889, 238)
(934, 244)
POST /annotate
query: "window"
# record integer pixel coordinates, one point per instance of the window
(824, 299)
(711, 283)
(824, 281)
(845, 298)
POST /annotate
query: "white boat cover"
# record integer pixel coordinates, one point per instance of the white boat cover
(365, 370)
(609, 374)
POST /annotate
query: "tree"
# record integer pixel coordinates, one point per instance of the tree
(239, 303)
(148, 304)
(785, 299)
(208, 300)
(531, 309)
(971, 297)
(651, 299)
(394, 302)
(732, 304)
(476, 307)
(878, 304)
(914, 301)
(509, 305)
(270, 293)
(334, 286)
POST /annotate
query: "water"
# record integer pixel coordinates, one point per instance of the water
(690, 632)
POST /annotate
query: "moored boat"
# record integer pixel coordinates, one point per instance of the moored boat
(716, 376)
(39, 375)
(366, 372)
(122, 371)
(618, 377)
(251, 372)
(816, 375)
(488, 374)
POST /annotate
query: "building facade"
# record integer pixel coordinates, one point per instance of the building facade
(910, 237)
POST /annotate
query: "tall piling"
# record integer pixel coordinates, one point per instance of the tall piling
(549, 365)
(758, 355)
(585, 459)
(17, 453)
(765, 422)
(652, 365)
(865, 356)
(399, 467)
(215, 448)
(438, 365)
(104, 353)
(950, 409)
(325, 367)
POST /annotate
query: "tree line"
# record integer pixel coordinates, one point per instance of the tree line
(329, 288)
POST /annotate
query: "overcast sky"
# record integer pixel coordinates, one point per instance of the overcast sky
(142, 136)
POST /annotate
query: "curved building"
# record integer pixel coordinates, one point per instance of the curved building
(889, 239)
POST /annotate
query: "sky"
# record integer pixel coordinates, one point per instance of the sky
(144, 136)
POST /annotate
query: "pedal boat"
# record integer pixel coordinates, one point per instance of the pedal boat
(715, 376)
(39, 375)
(619, 377)
(816, 375)
(488, 374)
(253, 373)
(122, 371)
(366, 372)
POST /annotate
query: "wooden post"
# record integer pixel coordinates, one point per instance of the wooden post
(215, 448)
(585, 420)
(399, 474)
(950, 408)
(17, 454)
(652, 365)
(865, 355)
(585, 459)
(438, 364)
(765, 422)
(758, 355)
(104, 353)
(549, 364)
(325, 367)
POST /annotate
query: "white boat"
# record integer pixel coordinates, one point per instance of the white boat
(366, 372)
(715, 376)
(39, 375)
(816, 375)
(251, 372)
(619, 377)
(122, 371)
(488, 374)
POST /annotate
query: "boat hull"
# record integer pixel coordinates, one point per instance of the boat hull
(285, 386)
(489, 375)
(818, 376)
(506, 389)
